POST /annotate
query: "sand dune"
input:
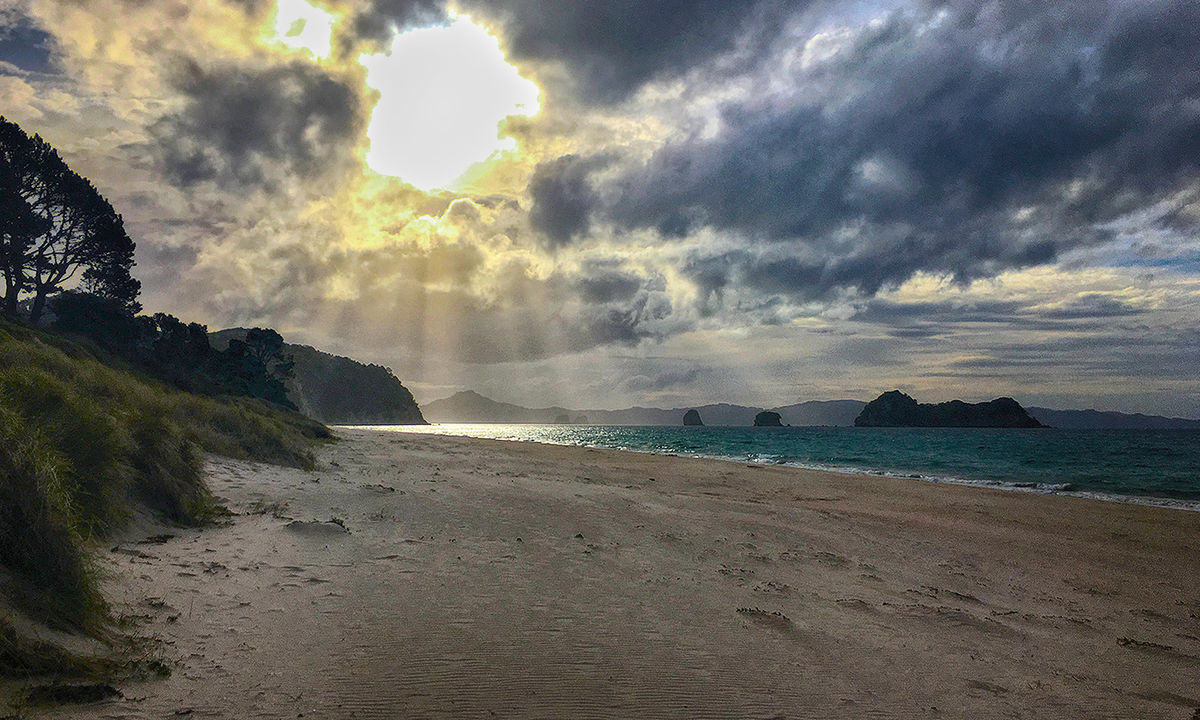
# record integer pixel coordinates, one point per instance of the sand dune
(437, 577)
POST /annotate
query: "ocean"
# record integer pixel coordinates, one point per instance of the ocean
(1160, 467)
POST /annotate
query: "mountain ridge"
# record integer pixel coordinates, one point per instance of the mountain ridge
(470, 406)
(834, 413)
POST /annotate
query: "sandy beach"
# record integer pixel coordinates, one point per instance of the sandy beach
(416, 576)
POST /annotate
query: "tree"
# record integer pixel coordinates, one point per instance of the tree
(56, 226)
(266, 346)
(108, 274)
(18, 224)
(257, 366)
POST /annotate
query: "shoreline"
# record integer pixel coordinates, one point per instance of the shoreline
(442, 576)
(1045, 489)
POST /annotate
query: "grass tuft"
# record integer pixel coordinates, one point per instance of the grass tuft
(41, 537)
(84, 442)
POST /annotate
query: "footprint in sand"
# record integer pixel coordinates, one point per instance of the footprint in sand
(830, 559)
(774, 620)
(317, 528)
(773, 588)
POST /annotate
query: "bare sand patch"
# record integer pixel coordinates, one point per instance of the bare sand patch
(475, 579)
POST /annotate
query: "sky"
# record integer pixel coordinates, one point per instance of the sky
(655, 202)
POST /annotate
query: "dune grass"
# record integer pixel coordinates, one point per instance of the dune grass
(84, 441)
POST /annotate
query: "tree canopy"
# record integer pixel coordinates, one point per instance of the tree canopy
(179, 353)
(56, 227)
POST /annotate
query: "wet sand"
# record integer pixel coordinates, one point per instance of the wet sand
(488, 579)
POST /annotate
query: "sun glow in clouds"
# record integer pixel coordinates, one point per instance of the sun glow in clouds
(302, 26)
(443, 93)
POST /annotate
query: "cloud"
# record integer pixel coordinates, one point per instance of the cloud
(1093, 306)
(653, 380)
(604, 285)
(833, 198)
(608, 50)
(605, 51)
(945, 319)
(243, 127)
(961, 140)
(563, 196)
(379, 20)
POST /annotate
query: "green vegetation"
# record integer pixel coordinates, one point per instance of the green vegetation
(176, 352)
(83, 443)
(94, 429)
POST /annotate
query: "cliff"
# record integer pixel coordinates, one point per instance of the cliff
(895, 409)
(340, 391)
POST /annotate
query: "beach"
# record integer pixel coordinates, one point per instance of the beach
(420, 576)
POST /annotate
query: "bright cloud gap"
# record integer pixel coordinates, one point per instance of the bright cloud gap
(302, 26)
(443, 93)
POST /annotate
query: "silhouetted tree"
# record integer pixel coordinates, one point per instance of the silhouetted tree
(249, 376)
(19, 225)
(60, 226)
(266, 346)
(108, 272)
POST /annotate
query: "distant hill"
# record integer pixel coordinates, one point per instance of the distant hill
(470, 406)
(1097, 420)
(340, 391)
(837, 413)
(895, 409)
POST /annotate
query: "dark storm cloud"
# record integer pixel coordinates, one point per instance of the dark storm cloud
(1114, 354)
(607, 49)
(960, 139)
(380, 20)
(610, 49)
(931, 319)
(989, 311)
(868, 261)
(625, 323)
(605, 286)
(244, 127)
(1093, 306)
(563, 196)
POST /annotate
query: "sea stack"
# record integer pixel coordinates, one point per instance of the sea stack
(691, 417)
(766, 418)
(895, 409)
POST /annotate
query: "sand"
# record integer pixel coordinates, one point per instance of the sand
(466, 578)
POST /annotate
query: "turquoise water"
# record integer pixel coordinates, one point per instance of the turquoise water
(1159, 466)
